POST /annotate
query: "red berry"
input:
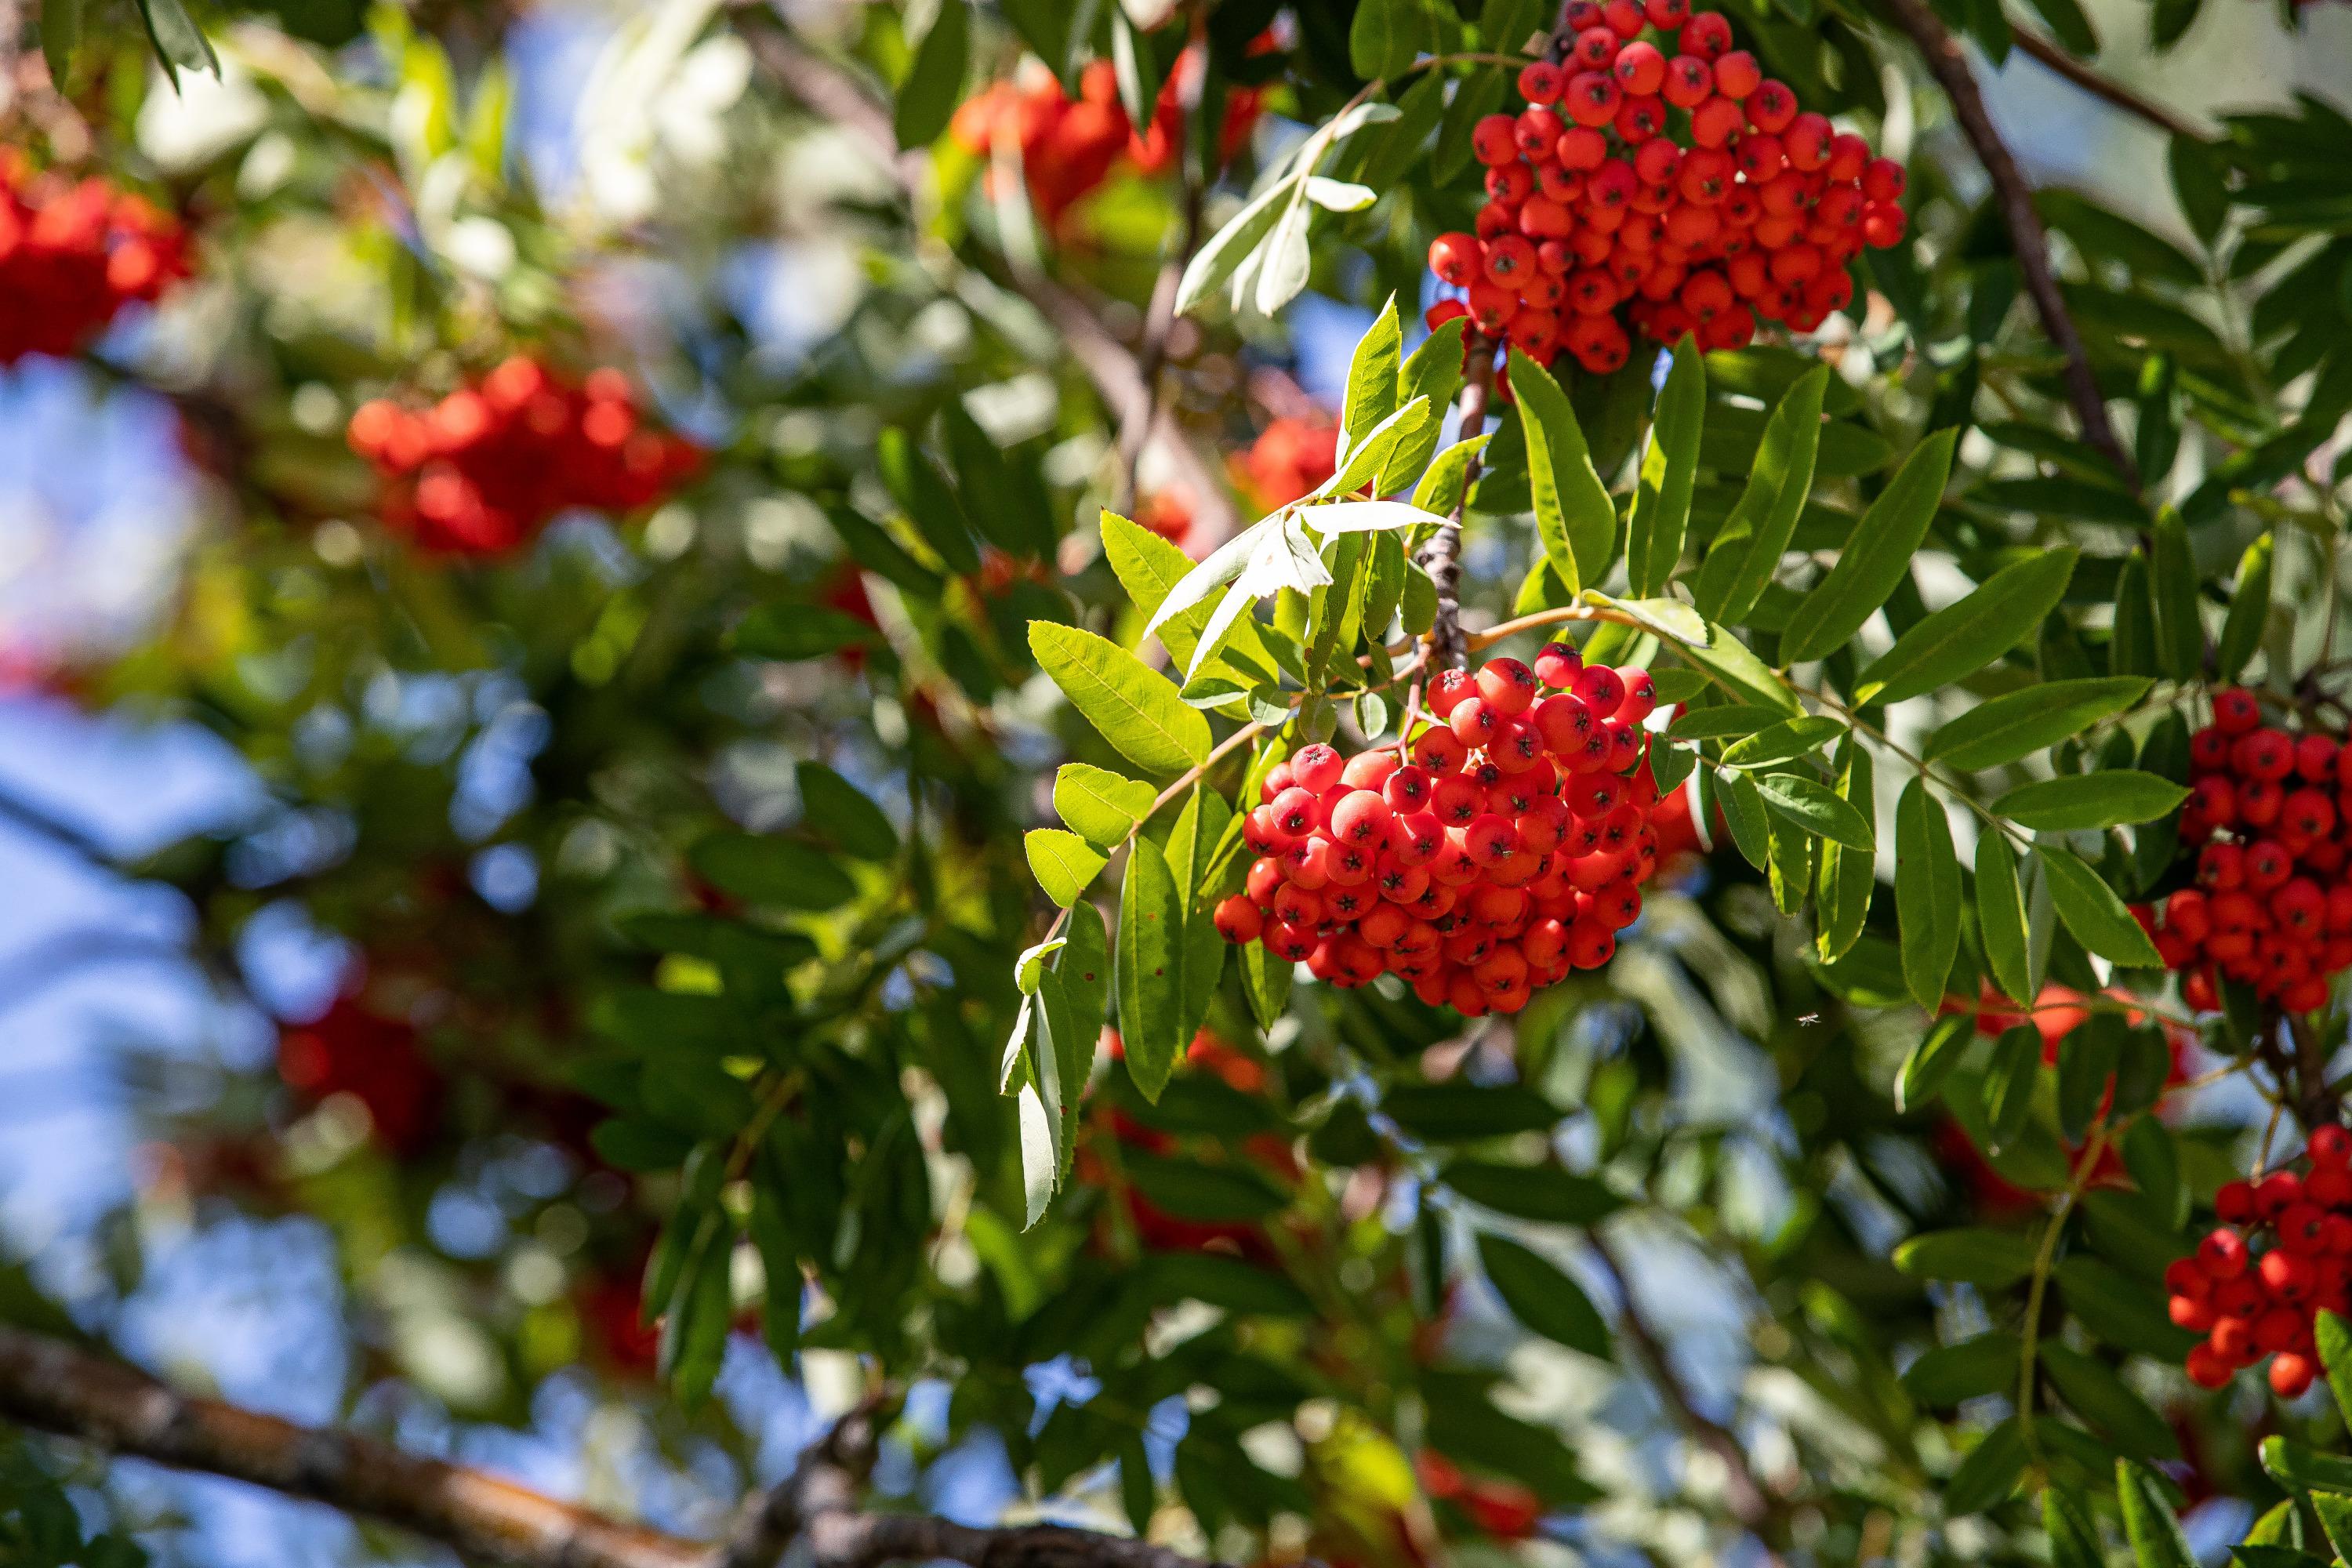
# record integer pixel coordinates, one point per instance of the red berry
(1237, 920)
(1494, 140)
(1540, 81)
(1317, 767)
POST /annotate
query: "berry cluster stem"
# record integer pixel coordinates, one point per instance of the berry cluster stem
(1443, 555)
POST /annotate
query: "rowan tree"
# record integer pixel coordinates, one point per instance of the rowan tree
(1698, 919)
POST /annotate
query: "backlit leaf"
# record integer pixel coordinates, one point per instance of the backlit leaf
(1660, 514)
(1877, 558)
(1962, 637)
(1136, 708)
(1574, 516)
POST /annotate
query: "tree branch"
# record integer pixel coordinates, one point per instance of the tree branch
(1755, 1508)
(1442, 557)
(1119, 377)
(43, 823)
(2106, 89)
(56, 1386)
(49, 1384)
(1949, 64)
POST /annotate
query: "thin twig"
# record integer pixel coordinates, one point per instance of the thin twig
(1160, 319)
(1755, 1509)
(2100, 86)
(1950, 64)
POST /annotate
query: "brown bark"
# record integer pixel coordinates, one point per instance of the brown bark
(1948, 63)
(55, 1386)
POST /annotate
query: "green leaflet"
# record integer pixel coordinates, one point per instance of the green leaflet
(1735, 664)
(2335, 1340)
(1074, 993)
(1543, 1193)
(1990, 1472)
(2089, 909)
(2011, 727)
(1993, 1258)
(1781, 742)
(2086, 803)
(2009, 1084)
(1877, 558)
(1743, 810)
(764, 870)
(1847, 875)
(1543, 1298)
(1099, 806)
(2001, 916)
(1574, 516)
(2155, 1534)
(2074, 1538)
(60, 31)
(1789, 837)
(1950, 1374)
(1444, 487)
(2109, 1404)
(927, 98)
(1963, 638)
(1815, 807)
(1930, 1065)
(1266, 981)
(1661, 515)
(838, 811)
(1147, 567)
(1432, 372)
(1927, 893)
(2118, 1308)
(2249, 610)
(791, 632)
(2172, 570)
(1136, 708)
(1150, 969)
(1749, 550)
(1371, 394)
(2131, 649)
(1063, 863)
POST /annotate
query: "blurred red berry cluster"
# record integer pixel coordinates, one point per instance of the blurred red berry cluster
(1068, 147)
(1289, 459)
(1665, 183)
(72, 254)
(1155, 1228)
(483, 470)
(354, 1050)
(1511, 850)
(2251, 1303)
(2270, 824)
(1504, 1510)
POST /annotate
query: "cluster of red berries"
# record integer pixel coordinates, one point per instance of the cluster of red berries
(1290, 457)
(353, 1051)
(2251, 1304)
(1511, 849)
(72, 254)
(1685, 186)
(480, 472)
(2270, 824)
(1069, 147)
